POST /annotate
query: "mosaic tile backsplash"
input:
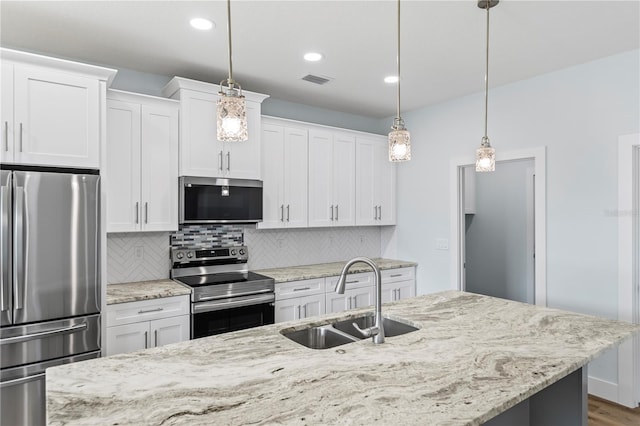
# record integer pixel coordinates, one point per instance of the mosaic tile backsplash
(194, 236)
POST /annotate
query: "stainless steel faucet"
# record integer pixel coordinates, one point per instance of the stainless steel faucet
(377, 331)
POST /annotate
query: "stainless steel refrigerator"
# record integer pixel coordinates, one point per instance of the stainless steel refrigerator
(50, 283)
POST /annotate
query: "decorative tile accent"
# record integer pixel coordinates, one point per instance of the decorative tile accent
(279, 248)
(137, 256)
(208, 235)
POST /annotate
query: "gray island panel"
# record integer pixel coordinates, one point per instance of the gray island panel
(473, 358)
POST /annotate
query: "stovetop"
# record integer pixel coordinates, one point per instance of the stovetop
(221, 278)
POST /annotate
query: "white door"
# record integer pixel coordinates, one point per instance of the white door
(123, 166)
(321, 204)
(385, 184)
(6, 113)
(169, 330)
(296, 157)
(272, 177)
(159, 168)
(287, 310)
(242, 159)
(366, 179)
(312, 306)
(127, 338)
(361, 297)
(57, 117)
(337, 302)
(405, 289)
(200, 152)
(344, 179)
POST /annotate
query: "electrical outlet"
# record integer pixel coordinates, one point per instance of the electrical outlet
(139, 252)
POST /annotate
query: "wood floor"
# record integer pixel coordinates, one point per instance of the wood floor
(605, 413)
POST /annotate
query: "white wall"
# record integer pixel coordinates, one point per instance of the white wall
(578, 114)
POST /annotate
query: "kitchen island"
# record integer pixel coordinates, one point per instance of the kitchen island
(473, 358)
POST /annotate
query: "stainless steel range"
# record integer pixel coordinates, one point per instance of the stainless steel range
(225, 295)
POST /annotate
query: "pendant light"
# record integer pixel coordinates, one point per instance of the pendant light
(486, 154)
(399, 138)
(232, 116)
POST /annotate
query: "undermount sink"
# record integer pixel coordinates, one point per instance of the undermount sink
(340, 333)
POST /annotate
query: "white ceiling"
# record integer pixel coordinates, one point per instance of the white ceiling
(442, 43)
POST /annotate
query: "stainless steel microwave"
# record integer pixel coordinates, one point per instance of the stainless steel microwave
(218, 200)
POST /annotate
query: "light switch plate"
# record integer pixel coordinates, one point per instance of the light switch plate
(442, 244)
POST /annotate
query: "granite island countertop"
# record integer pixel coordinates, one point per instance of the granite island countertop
(473, 358)
(321, 270)
(144, 290)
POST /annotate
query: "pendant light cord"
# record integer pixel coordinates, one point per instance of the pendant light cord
(486, 81)
(398, 62)
(230, 80)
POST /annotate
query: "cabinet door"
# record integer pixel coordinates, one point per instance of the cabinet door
(405, 289)
(361, 297)
(366, 179)
(287, 310)
(321, 205)
(388, 292)
(344, 179)
(57, 118)
(201, 154)
(123, 166)
(272, 177)
(337, 302)
(127, 338)
(159, 199)
(385, 184)
(6, 113)
(169, 330)
(296, 170)
(312, 306)
(242, 159)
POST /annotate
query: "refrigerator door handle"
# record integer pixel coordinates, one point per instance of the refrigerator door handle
(22, 380)
(47, 333)
(5, 277)
(19, 254)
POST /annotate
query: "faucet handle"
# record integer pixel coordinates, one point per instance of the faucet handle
(367, 332)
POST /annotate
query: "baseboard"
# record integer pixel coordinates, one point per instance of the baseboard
(603, 389)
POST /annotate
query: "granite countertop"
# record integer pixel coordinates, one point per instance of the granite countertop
(321, 270)
(473, 358)
(144, 290)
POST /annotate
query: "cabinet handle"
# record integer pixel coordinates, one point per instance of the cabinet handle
(351, 282)
(6, 136)
(220, 161)
(228, 160)
(287, 212)
(379, 212)
(155, 338)
(336, 212)
(146, 212)
(331, 212)
(150, 310)
(137, 212)
(349, 303)
(20, 137)
(281, 212)
(302, 289)
(305, 310)
(375, 212)
(146, 339)
(298, 312)
(395, 275)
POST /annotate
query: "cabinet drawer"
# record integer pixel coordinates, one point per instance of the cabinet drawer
(400, 274)
(363, 279)
(299, 288)
(146, 310)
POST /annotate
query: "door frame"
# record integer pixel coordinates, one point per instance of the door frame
(628, 389)
(538, 154)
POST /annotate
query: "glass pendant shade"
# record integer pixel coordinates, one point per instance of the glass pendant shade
(485, 157)
(399, 143)
(232, 117)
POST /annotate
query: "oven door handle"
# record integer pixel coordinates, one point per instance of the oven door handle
(248, 293)
(219, 305)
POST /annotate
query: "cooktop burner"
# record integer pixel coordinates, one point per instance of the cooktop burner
(221, 278)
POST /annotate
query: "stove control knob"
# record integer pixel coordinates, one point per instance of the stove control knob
(190, 254)
(242, 252)
(179, 256)
(233, 252)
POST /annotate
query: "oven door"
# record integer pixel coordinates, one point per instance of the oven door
(232, 314)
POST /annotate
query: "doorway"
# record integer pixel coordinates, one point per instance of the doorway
(499, 231)
(458, 219)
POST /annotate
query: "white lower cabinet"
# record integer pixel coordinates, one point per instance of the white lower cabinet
(398, 284)
(146, 324)
(351, 299)
(299, 299)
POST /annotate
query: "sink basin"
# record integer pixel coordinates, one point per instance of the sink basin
(323, 337)
(391, 327)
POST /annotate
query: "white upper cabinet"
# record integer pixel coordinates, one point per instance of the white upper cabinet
(142, 163)
(375, 182)
(284, 174)
(331, 178)
(201, 154)
(51, 110)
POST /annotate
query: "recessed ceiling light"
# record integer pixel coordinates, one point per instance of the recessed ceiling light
(390, 79)
(312, 56)
(201, 24)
